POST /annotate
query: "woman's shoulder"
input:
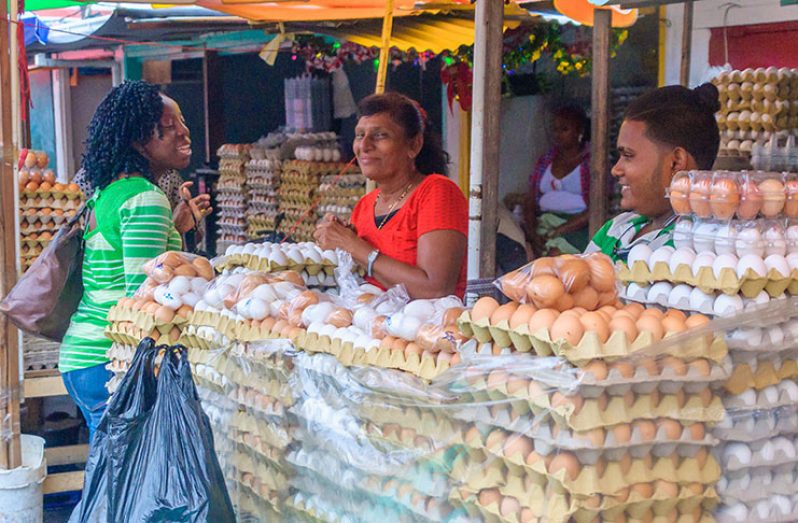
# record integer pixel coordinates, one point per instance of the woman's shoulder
(438, 184)
(131, 191)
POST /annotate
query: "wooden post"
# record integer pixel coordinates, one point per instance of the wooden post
(687, 38)
(600, 104)
(212, 88)
(385, 48)
(485, 123)
(10, 452)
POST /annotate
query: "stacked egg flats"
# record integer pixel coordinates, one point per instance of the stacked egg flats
(232, 195)
(263, 180)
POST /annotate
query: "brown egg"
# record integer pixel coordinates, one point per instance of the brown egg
(696, 320)
(699, 197)
(672, 428)
(567, 328)
(575, 274)
(36, 177)
(565, 461)
(527, 516)
(697, 431)
(545, 290)
(608, 311)
(651, 325)
(399, 344)
(679, 190)
(472, 436)
(593, 501)
(706, 397)
(673, 325)
(791, 203)
(647, 429)
(509, 507)
(503, 313)
(622, 433)
(773, 197)
(587, 298)
(635, 309)
(676, 365)
(535, 390)
(750, 201)
(596, 368)
(31, 186)
(558, 399)
(489, 496)
(184, 311)
(595, 436)
(724, 198)
(696, 489)
(607, 298)
(644, 490)
(522, 315)
(451, 315)
(518, 445)
(602, 273)
(625, 325)
(412, 348)
(495, 440)
(484, 308)
(267, 324)
(654, 313)
(701, 366)
(514, 284)
(624, 368)
(543, 319)
(533, 458)
(649, 365)
(543, 266)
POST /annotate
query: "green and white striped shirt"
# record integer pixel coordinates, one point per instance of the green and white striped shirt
(617, 236)
(134, 224)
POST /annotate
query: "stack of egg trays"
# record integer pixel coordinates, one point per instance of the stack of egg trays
(259, 433)
(263, 181)
(759, 435)
(549, 441)
(340, 194)
(299, 186)
(363, 451)
(231, 195)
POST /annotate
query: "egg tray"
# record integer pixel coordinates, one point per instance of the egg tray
(424, 422)
(251, 505)
(256, 476)
(750, 285)
(35, 201)
(261, 453)
(765, 511)
(753, 425)
(774, 396)
(545, 499)
(619, 410)
(256, 263)
(760, 375)
(275, 436)
(781, 337)
(349, 355)
(127, 334)
(433, 507)
(751, 485)
(772, 452)
(51, 227)
(58, 195)
(641, 294)
(263, 402)
(35, 243)
(143, 320)
(209, 377)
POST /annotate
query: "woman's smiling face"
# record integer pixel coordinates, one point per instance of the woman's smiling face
(381, 147)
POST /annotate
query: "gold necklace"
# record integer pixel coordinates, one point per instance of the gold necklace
(390, 209)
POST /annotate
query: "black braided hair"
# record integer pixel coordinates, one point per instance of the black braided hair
(128, 114)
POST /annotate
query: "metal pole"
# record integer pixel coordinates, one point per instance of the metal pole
(485, 124)
(687, 38)
(600, 104)
(385, 47)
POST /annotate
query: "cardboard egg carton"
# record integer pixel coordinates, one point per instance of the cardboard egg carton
(276, 436)
(204, 337)
(750, 285)
(777, 509)
(270, 403)
(686, 345)
(261, 452)
(782, 394)
(779, 451)
(143, 320)
(751, 425)
(752, 485)
(779, 337)
(757, 375)
(425, 422)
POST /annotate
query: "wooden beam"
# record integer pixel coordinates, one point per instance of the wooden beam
(63, 482)
(385, 48)
(44, 387)
(687, 42)
(212, 75)
(485, 135)
(10, 451)
(67, 455)
(600, 104)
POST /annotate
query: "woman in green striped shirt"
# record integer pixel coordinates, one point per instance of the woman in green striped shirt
(664, 131)
(135, 133)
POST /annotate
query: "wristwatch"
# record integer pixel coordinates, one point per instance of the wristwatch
(371, 259)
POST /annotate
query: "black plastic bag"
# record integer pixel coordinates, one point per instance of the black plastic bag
(153, 458)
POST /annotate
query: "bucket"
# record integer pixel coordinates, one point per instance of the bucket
(21, 498)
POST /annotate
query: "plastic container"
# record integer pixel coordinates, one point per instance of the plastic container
(700, 189)
(678, 193)
(21, 498)
(724, 197)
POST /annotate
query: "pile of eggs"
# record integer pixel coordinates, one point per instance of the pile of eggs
(263, 179)
(339, 195)
(231, 194)
(761, 237)
(317, 154)
(315, 264)
(723, 195)
(563, 282)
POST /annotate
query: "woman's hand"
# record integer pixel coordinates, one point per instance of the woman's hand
(332, 234)
(190, 211)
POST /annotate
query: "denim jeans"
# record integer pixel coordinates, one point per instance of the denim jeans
(87, 389)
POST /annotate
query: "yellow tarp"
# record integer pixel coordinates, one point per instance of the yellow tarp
(315, 11)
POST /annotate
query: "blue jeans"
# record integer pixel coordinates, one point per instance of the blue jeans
(87, 389)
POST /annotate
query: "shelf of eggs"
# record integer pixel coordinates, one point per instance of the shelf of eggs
(231, 195)
(44, 205)
(736, 249)
(160, 308)
(314, 265)
(339, 195)
(755, 104)
(299, 187)
(263, 180)
(608, 430)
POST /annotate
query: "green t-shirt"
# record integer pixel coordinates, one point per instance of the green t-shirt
(617, 237)
(134, 224)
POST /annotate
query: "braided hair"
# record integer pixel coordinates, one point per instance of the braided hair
(128, 115)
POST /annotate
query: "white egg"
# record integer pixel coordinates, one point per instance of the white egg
(682, 235)
(276, 257)
(258, 309)
(752, 262)
(328, 330)
(317, 312)
(201, 305)
(769, 395)
(392, 323)
(637, 292)
(234, 279)
(330, 256)
(704, 259)
(387, 307)
(242, 308)
(315, 327)
(749, 241)
(249, 248)
(750, 337)
(762, 510)
(679, 297)
(774, 240)
(282, 289)
(737, 513)
(700, 301)
(264, 292)
(641, 252)
(421, 309)
(443, 304)
(790, 389)
(704, 236)
(190, 299)
(180, 285)
(158, 293)
(791, 329)
(724, 261)
(314, 256)
(679, 257)
(724, 239)
(171, 301)
(368, 288)
(747, 398)
(363, 317)
(213, 298)
(662, 254)
(726, 305)
(791, 235)
(362, 342)
(274, 308)
(792, 261)
(775, 335)
(295, 256)
(777, 262)
(659, 293)
(741, 451)
(781, 502)
(198, 285)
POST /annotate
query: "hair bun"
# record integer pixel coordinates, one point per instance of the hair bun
(709, 96)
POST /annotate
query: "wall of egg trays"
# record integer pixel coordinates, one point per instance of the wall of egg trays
(559, 411)
(232, 195)
(263, 180)
(735, 248)
(755, 104)
(339, 195)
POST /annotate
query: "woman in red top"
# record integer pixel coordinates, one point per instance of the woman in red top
(413, 228)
